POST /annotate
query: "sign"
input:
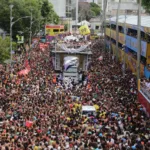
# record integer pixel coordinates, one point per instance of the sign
(84, 30)
(132, 43)
(49, 29)
(54, 27)
(20, 39)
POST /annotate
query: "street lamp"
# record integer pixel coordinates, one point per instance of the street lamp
(39, 20)
(30, 30)
(11, 25)
(139, 41)
(77, 9)
(11, 18)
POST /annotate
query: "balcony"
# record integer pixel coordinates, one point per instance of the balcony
(124, 6)
(131, 42)
(113, 35)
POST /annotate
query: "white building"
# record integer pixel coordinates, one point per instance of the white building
(89, 1)
(59, 7)
(130, 6)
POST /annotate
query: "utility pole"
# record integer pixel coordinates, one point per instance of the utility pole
(139, 41)
(11, 18)
(117, 33)
(124, 48)
(68, 5)
(30, 42)
(104, 23)
(102, 5)
(110, 37)
(77, 6)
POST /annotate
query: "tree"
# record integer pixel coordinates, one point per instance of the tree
(48, 13)
(5, 49)
(66, 27)
(21, 8)
(40, 9)
(95, 8)
(146, 4)
(85, 12)
(88, 10)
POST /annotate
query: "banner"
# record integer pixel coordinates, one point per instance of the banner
(23, 72)
(29, 124)
(70, 61)
(43, 46)
(20, 39)
(26, 70)
(84, 30)
(73, 50)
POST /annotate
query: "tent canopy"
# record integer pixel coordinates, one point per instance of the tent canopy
(84, 22)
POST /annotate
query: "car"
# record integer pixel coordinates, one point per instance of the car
(88, 110)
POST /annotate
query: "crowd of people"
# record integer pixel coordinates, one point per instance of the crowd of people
(39, 114)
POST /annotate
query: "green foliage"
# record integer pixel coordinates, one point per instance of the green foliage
(146, 4)
(88, 10)
(66, 27)
(95, 8)
(5, 48)
(40, 9)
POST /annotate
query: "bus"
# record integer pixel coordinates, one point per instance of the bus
(53, 30)
(128, 47)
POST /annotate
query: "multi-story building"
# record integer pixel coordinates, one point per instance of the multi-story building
(89, 1)
(130, 6)
(65, 9)
(62, 7)
(59, 7)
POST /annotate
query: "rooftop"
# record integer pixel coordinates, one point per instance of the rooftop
(133, 21)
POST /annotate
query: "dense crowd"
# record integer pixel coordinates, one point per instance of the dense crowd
(39, 114)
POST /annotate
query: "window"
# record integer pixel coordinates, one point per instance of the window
(97, 27)
(55, 30)
(61, 30)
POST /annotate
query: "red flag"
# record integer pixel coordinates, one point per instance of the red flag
(29, 124)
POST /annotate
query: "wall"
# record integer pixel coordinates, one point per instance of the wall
(59, 7)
